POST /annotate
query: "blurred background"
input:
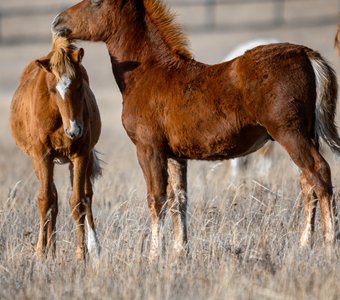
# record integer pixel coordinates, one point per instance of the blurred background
(214, 28)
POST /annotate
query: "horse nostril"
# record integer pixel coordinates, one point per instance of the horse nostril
(80, 132)
(69, 134)
(74, 132)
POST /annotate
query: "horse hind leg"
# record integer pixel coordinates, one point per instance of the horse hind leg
(177, 202)
(309, 199)
(317, 174)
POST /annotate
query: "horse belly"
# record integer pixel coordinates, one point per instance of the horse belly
(202, 146)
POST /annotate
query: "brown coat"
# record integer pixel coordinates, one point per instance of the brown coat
(176, 108)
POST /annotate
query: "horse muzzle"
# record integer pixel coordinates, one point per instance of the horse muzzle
(75, 131)
(58, 28)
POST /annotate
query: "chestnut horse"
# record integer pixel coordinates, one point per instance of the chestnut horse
(176, 108)
(55, 119)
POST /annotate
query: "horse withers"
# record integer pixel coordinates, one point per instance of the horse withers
(176, 108)
(55, 119)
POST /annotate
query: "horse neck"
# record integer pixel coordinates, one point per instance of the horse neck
(138, 44)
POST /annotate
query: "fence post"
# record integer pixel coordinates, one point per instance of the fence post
(210, 13)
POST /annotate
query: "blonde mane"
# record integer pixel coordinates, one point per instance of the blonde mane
(60, 60)
(170, 33)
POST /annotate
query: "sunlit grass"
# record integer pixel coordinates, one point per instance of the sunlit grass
(243, 234)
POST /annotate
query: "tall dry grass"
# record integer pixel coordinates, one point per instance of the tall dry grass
(243, 234)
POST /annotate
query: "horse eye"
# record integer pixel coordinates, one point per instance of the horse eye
(52, 90)
(96, 2)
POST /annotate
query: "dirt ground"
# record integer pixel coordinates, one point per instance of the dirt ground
(243, 231)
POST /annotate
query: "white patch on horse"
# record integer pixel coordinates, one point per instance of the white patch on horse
(92, 241)
(306, 235)
(63, 85)
(74, 128)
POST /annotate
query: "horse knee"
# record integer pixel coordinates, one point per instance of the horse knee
(76, 207)
(47, 200)
(324, 173)
(320, 179)
(156, 204)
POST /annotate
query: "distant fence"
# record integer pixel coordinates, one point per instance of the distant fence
(277, 10)
(21, 13)
(208, 21)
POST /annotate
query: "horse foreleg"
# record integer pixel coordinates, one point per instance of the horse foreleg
(77, 203)
(309, 211)
(93, 246)
(177, 197)
(48, 206)
(154, 165)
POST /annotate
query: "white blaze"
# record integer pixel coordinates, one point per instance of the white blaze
(63, 85)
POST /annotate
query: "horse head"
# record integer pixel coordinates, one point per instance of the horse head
(64, 78)
(88, 20)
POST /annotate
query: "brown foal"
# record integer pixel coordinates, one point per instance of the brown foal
(55, 119)
(176, 108)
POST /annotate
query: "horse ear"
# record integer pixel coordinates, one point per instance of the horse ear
(77, 55)
(44, 64)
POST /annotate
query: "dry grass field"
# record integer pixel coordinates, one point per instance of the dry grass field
(243, 231)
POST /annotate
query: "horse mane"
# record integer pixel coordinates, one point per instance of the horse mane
(60, 61)
(161, 23)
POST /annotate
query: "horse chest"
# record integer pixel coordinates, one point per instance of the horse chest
(63, 147)
(60, 142)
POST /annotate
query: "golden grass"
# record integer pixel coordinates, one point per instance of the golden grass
(243, 237)
(243, 233)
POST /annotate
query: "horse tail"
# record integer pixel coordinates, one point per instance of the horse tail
(96, 169)
(326, 97)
